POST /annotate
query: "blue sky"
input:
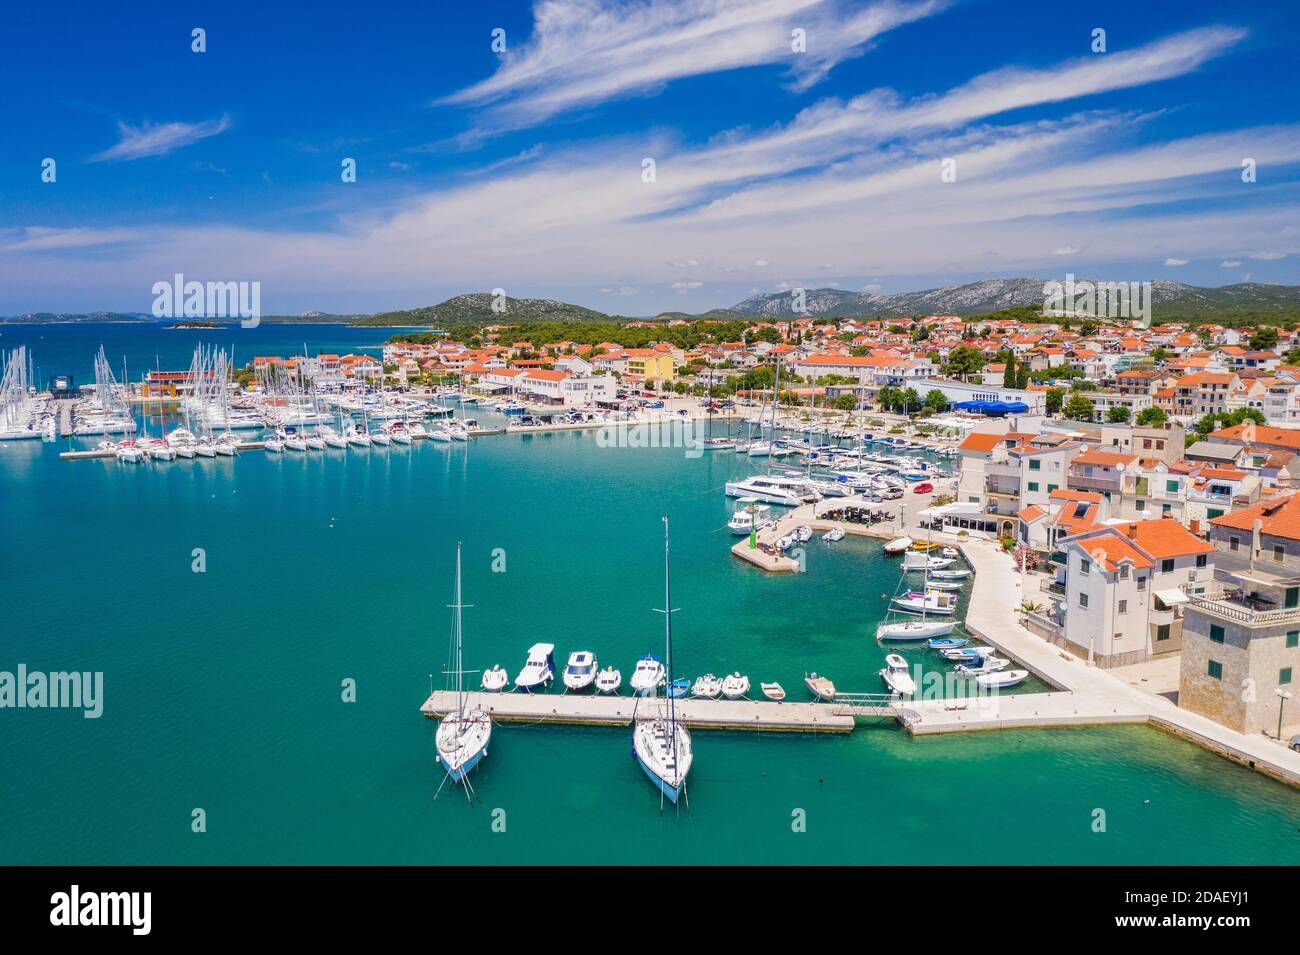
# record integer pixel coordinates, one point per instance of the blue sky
(773, 168)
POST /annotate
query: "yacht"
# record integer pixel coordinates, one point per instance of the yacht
(332, 437)
(662, 744)
(464, 733)
(580, 672)
(539, 668)
(897, 676)
(750, 516)
(927, 602)
(648, 675)
(773, 489)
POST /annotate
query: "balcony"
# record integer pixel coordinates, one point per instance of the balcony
(1241, 607)
(1097, 482)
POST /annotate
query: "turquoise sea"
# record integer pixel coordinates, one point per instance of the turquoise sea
(223, 688)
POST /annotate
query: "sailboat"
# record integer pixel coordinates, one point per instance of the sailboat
(900, 627)
(463, 734)
(661, 744)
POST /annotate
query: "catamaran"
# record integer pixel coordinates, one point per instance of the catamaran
(661, 745)
(464, 733)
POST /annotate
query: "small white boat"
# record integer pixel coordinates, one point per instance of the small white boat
(785, 543)
(273, 444)
(951, 552)
(897, 676)
(931, 601)
(833, 535)
(750, 515)
(580, 671)
(985, 665)
(773, 691)
(908, 630)
(539, 668)
(916, 560)
(1002, 680)
(495, 679)
(608, 680)
(949, 585)
(735, 686)
(898, 545)
(967, 654)
(819, 686)
(381, 439)
(648, 675)
(708, 687)
(950, 574)
(803, 533)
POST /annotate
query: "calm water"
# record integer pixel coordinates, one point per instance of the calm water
(223, 688)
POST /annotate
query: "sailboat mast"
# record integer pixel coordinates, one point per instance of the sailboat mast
(460, 679)
(668, 637)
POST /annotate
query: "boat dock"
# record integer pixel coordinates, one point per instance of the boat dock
(586, 710)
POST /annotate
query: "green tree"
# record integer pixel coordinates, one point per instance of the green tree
(1009, 377)
(1263, 338)
(846, 402)
(1152, 417)
(934, 402)
(1118, 415)
(1055, 399)
(963, 361)
(1078, 408)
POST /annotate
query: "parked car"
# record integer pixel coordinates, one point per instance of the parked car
(925, 487)
(1295, 743)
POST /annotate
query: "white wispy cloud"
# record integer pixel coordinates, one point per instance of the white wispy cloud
(1230, 264)
(583, 52)
(1173, 263)
(149, 139)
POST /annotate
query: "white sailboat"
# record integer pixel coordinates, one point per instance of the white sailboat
(464, 733)
(661, 745)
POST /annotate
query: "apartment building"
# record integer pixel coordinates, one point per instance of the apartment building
(1204, 392)
(1241, 638)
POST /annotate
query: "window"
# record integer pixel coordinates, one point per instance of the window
(1083, 600)
(1293, 638)
(1216, 669)
(1292, 598)
(1171, 487)
(1083, 565)
(1166, 509)
(1033, 486)
(1123, 571)
(1201, 560)
(1162, 632)
(1279, 553)
(1142, 583)
(1141, 506)
(1216, 633)
(1035, 464)
(1167, 565)
(1234, 543)
(1123, 606)
(1212, 512)
(1284, 676)
(1052, 487)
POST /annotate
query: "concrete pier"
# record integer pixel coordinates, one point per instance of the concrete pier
(588, 710)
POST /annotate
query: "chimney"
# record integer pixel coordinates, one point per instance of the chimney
(1254, 541)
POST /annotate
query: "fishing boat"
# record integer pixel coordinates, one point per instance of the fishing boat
(750, 515)
(949, 585)
(819, 686)
(833, 535)
(927, 602)
(707, 687)
(679, 688)
(897, 676)
(539, 668)
(648, 675)
(495, 679)
(608, 680)
(580, 671)
(985, 665)
(944, 574)
(948, 643)
(773, 691)
(661, 745)
(735, 686)
(898, 545)
(966, 654)
(1001, 680)
(464, 733)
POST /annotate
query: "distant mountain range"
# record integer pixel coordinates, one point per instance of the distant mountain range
(1170, 300)
(990, 295)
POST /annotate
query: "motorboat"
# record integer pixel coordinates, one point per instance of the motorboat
(648, 675)
(735, 686)
(951, 552)
(773, 691)
(950, 585)
(948, 643)
(1001, 680)
(608, 680)
(750, 515)
(898, 545)
(708, 687)
(580, 671)
(495, 679)
(897, 676)
(910, 631)
(944, 574)
(985, 665)
(833, 535)
(819, 686)
(967, 654)
(539, 668)
(803, 533)
(927, 602)
(914, 560)
(785, 543)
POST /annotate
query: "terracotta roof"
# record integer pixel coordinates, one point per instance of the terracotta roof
(981, 442)
(1105, 458)
(1165, 537)
(1031, 513)
(1065, 494)
(1111, 548)
(1279, 517)
(1286, 437)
